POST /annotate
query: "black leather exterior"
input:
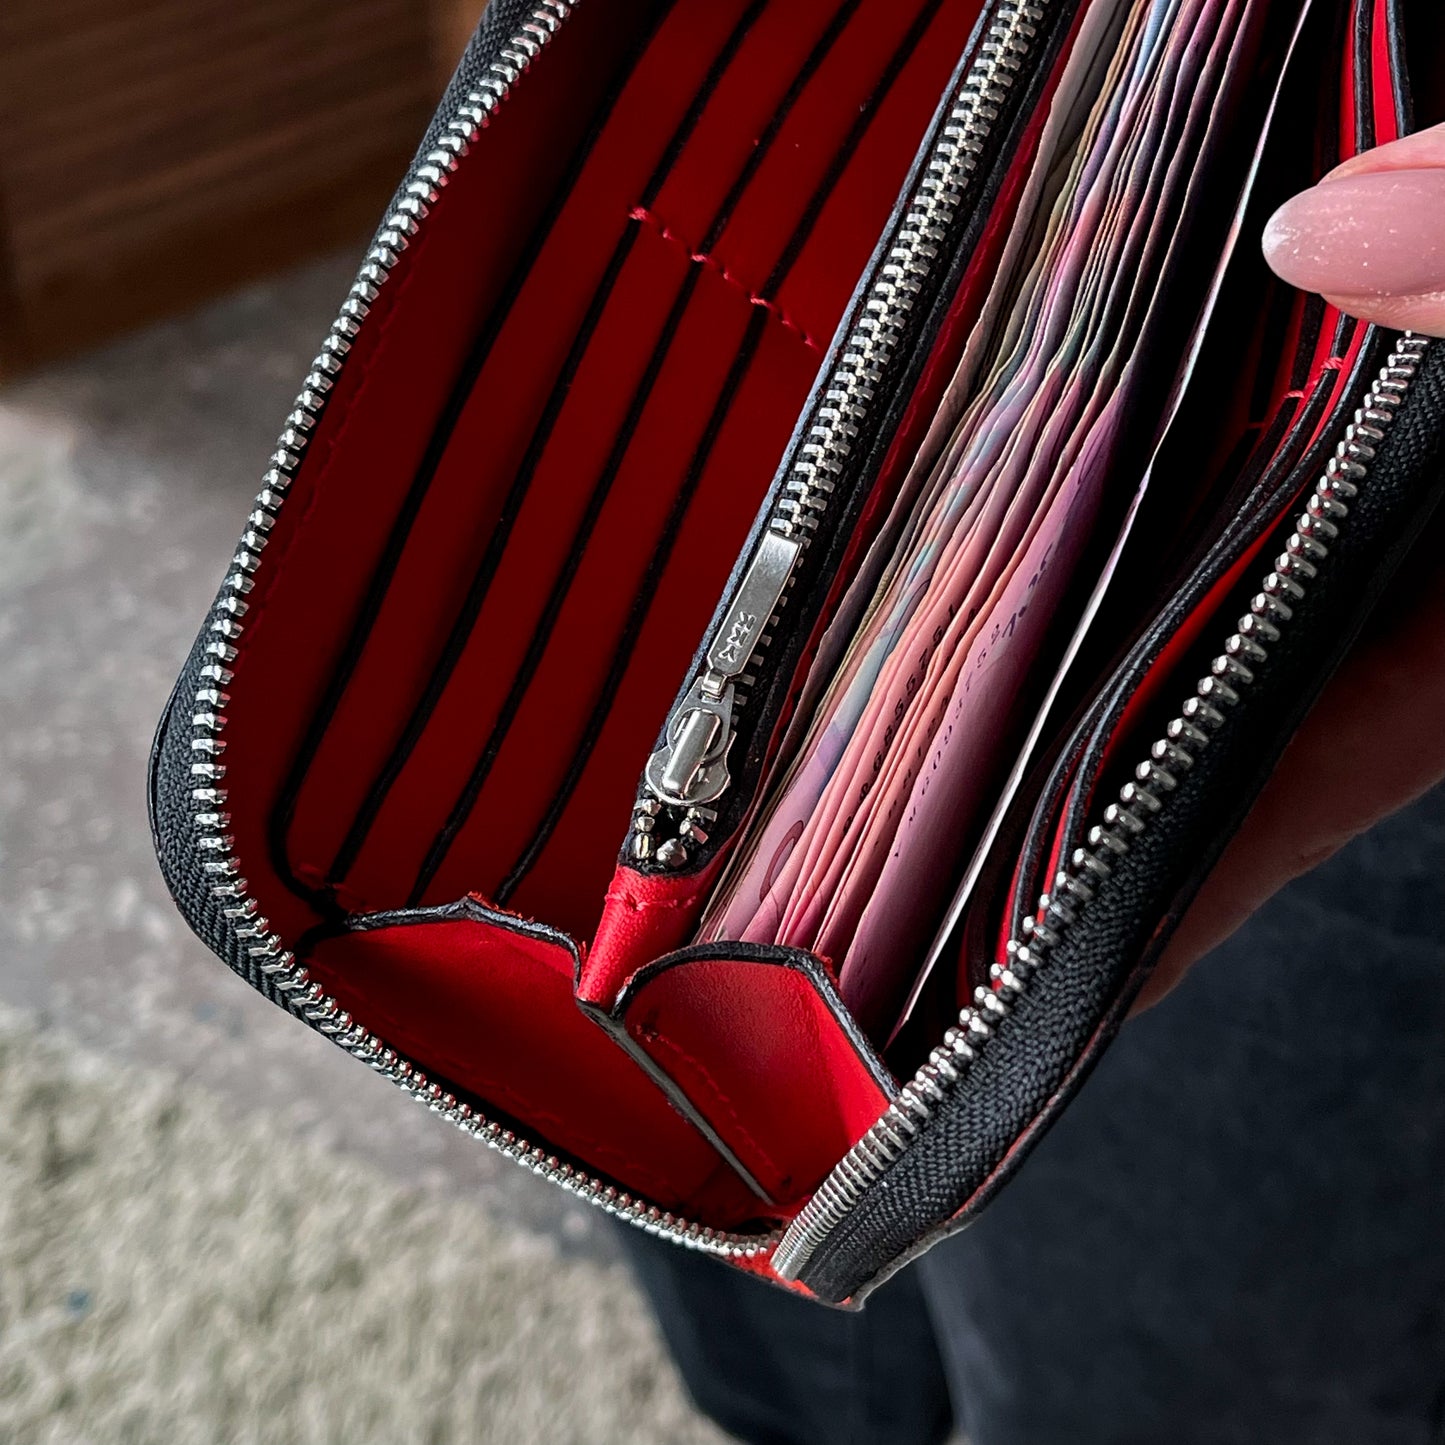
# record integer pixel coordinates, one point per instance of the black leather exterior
(170, 780)
(1058, 1028)
(1060, 1025)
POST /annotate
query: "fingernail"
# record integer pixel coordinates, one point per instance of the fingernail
(1425, 314)
(1422, 151)
(1381, 234)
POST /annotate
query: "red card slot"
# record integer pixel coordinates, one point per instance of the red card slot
(535, 472)
(485, 1002)
(756, 1045)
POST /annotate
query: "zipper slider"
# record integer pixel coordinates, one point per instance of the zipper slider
(691, 767)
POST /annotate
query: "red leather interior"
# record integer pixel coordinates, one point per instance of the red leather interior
(488, 1005)
(648, 372)
(795, 1086)
(634, 272)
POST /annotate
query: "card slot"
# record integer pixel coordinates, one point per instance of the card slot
(756, 1047)
(484, 1002)
(656, 582)
(680, 68)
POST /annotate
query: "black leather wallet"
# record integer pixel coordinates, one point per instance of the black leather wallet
(540, 580)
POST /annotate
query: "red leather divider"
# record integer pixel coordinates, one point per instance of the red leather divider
(762, 1049)
(646, 916)
(500, 421)
(487, 1002)
(364, 452)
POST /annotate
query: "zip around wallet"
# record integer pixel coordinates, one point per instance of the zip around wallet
(807, 536)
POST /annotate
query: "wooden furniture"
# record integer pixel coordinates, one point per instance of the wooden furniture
(155, 152)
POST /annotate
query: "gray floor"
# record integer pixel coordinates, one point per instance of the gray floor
(170, 1274)
(125, 477)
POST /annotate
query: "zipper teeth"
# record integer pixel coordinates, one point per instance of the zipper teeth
(879, 329)
(873, 343)
(286, 974)
(1141, 800)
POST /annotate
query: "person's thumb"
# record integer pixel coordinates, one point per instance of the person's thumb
(1370, 237)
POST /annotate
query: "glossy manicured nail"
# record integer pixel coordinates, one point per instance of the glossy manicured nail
(1425, 313)
(1374, 234)
(1423, 151)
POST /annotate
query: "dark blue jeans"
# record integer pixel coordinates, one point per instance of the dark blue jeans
(1235, 1234)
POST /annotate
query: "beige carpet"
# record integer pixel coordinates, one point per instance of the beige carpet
(168, 1275)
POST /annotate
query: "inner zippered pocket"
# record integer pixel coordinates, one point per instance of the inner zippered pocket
(700, 782)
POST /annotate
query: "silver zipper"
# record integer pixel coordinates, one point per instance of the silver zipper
(689, 772)
(287, 976)
(1140, 801)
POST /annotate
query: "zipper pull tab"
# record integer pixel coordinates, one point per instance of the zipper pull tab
(691, 767)
(692, 750)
